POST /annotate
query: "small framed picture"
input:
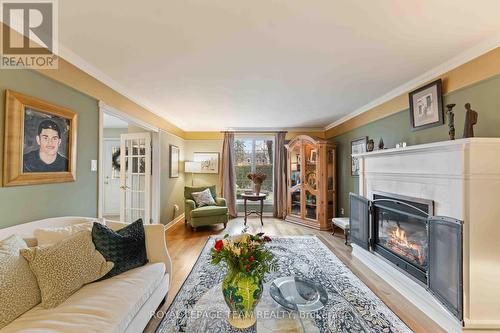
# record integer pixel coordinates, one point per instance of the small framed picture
(209, 162)
(174, 161)
(40, 142)
(426, 106)
(314, 155)
(358, 146)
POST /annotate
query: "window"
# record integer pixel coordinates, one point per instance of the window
(253, 154)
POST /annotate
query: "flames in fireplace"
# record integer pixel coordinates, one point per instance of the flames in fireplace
(399, 243)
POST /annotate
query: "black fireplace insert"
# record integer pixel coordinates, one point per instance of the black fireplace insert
(405, 232)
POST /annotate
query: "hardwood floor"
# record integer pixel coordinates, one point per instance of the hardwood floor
(185, 245)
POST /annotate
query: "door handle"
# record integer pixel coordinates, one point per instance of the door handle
(124, 187)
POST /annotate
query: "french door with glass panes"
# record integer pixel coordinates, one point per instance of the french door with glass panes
(135, 177)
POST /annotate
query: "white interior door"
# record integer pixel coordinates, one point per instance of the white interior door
(135, 177)
(111, 190)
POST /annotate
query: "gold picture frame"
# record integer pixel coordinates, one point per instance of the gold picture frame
(31, 123)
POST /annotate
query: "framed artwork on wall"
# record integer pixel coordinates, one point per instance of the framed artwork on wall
(209, 162)
(426, 106)
(40, 142)
(174, 161)
(358, 146)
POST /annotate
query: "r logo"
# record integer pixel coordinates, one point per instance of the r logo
(29, 33)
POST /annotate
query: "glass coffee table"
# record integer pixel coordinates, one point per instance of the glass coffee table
(210, 313)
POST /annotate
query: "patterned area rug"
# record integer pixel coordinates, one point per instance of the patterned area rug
(352, 306)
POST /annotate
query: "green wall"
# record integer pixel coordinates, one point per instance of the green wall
(21, 204)
(484, 98)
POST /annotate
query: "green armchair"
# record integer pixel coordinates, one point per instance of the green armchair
(206, 215)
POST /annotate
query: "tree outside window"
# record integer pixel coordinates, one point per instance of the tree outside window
(253, 155)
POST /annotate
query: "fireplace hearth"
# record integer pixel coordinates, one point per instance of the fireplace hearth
(404, 231)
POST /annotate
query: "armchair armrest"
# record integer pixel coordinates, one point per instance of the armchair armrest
(189, 205)
(156, 244)
(220, 201)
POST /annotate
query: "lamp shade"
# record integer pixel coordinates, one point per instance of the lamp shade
(192, 167)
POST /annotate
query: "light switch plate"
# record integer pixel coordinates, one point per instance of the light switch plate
(93, 165)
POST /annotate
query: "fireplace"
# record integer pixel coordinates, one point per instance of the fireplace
(404, 231)
(400, 232)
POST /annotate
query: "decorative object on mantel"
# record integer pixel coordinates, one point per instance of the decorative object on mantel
(370, 145)
(401, 145)
(426, 106)
(381, 144)
(248, 260)
(451, 120)
(358, 146)
(257, 178)
(470, 121)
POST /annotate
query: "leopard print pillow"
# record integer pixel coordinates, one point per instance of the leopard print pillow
(19, 290)
(63, 268)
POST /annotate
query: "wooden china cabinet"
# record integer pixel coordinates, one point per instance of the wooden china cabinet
(311, 184)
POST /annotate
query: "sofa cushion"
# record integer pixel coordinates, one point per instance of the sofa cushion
(45, 236)
(208, 211)
(126, 247)
(19, 290)
(106, 306)
(64, 267)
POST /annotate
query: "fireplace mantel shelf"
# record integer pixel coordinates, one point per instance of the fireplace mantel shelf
(442, 145)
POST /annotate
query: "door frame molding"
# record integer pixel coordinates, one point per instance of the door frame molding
(103, 196)
(155, 142)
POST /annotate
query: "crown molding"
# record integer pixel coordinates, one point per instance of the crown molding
(460, 59)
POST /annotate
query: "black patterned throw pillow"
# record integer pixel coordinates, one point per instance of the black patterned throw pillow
(126, 247)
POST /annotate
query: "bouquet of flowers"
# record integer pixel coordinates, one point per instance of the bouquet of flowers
(257, 177)
(245, 254)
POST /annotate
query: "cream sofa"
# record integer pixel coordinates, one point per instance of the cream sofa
(124, 303)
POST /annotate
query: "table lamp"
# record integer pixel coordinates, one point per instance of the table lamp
(192, 168)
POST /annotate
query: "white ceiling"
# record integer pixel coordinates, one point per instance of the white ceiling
(218, 64)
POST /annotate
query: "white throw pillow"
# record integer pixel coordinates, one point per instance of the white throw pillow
(46, 236)
(203, 198)
(19, 290)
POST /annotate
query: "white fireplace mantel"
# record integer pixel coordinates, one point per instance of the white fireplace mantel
(462, 177)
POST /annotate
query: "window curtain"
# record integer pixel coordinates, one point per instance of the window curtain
(279, 210)
(227, 176)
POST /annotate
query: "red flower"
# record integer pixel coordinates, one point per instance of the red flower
(251, 259)
(267, 239)
(218, 245)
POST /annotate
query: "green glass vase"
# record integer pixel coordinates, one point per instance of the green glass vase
(242, 293)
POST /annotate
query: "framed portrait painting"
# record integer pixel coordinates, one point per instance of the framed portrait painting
(358, 146)
(174, 161)
(40, 142)
(426, 106)
(209, 162)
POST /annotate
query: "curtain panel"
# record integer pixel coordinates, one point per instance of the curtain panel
(227, 176)
(279, 209)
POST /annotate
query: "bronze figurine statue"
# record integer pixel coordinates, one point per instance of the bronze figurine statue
(451, 120)
(470, 121)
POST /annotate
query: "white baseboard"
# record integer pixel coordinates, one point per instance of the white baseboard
(174, 221)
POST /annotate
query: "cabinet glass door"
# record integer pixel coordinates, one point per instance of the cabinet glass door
(295, 166)
(311, 209)
(295, 203)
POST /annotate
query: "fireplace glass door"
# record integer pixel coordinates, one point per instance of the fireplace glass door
(404, 235)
